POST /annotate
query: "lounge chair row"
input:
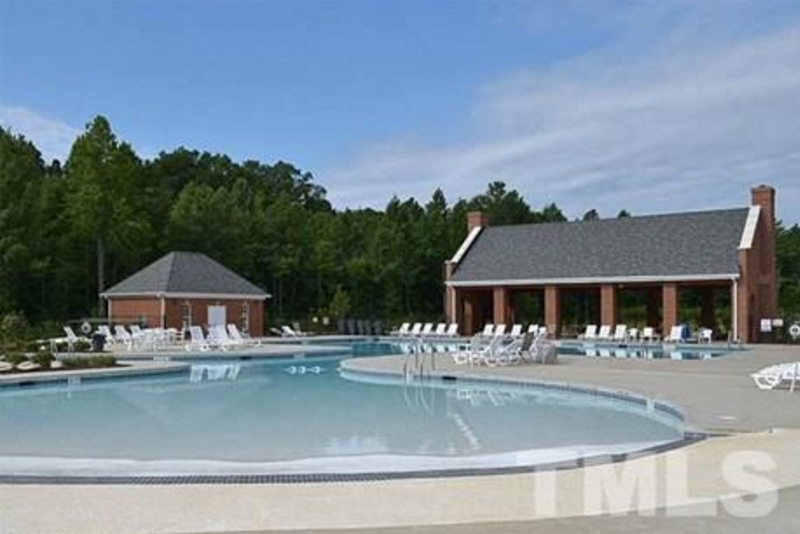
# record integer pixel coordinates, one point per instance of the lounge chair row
(136, 338)
(427, 330)
(622, 334)
(219, 337)
(517, 330)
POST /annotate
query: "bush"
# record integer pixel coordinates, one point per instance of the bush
(15, 358)
(43, 358)
(89, 362)
(13, 329)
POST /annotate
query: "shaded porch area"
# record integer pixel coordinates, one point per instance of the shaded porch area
(566, 309)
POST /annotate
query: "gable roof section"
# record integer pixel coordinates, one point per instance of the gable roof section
(696, 245)
(186, 274)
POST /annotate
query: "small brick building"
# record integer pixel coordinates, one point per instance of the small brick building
(721, 255)
(183, 289)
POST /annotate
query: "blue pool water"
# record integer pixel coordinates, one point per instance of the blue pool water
(302, 415)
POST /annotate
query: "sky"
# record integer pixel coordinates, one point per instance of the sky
(651, 106)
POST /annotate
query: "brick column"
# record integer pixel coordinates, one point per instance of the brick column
(608, 305)
(552, 310)
(450, 309)
(670, 307)
(502, 310)
(744, 313)
(467, 328)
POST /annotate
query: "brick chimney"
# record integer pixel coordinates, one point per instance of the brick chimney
(476, 219)
(764, 196)
(767, 283)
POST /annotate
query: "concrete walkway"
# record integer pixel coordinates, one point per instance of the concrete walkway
(715, 395)
(452, 502)
(783, 520)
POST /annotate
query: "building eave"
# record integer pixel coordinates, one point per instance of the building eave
(188, 295)
(465, 245)
(594, 280)
(749, 229)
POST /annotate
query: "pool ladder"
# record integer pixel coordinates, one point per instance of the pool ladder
(415, 360)
(414, 374)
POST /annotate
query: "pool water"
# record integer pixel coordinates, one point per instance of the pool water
(301, 415)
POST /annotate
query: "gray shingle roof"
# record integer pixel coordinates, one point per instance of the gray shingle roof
(681, 244)
(186, 273)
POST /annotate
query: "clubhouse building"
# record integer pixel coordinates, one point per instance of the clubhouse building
(183, 289)
(714, 269)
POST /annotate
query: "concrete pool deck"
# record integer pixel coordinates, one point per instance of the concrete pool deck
(716, 395)
(265, 350)
(124, 370)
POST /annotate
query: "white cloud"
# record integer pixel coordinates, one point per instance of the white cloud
(682, 127)
(51, 136)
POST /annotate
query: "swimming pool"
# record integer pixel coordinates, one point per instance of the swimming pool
(301, 415)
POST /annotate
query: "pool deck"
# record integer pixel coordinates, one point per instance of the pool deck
(716, 395)
(127, 369)
(267, 349)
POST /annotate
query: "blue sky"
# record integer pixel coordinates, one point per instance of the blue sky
(647, 105)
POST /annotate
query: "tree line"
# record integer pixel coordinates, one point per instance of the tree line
(68, 231)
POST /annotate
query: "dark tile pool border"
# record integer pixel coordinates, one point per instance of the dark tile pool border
(320, 478)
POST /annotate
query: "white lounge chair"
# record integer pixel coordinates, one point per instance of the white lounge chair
(500, 330)
(533, 328)
(452, 330)
(123, 336)
(70, 340)
(675, 334)
(620, 333)
(705, 335)
(218, 337)
(403, 330)
(633, 335)
(784, 375)
(197, 340)
(136, 333)
(543, 331)
(286, 331)
(516, 331)
(427, 330)
(604, 334)
(488, 330)
(590, 333)
(415, 330)
(441, 330)
(649, 334)
(243, 339)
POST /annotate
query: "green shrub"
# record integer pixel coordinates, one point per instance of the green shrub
(43, 358)
(15, 358)
(89, 362)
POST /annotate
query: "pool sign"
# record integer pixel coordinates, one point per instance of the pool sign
(794, 331)
(86, 327)
(766, 325)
